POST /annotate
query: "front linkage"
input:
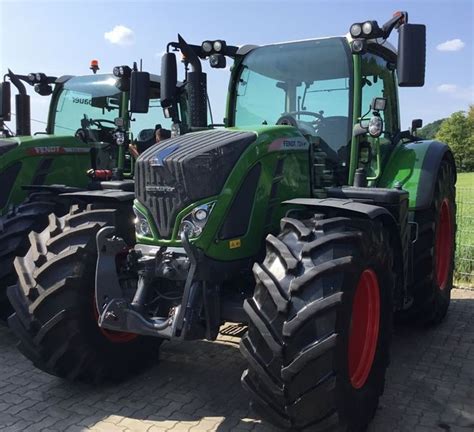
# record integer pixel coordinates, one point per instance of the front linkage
(179, 265)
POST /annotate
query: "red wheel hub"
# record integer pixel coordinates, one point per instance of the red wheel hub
(444, 244)
(364, 331)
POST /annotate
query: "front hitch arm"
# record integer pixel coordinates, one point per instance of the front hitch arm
(115, 312)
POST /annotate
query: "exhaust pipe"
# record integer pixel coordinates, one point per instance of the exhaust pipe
(22, 106)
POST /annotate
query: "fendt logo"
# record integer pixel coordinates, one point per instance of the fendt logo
(283, 144)
(56, 150)
(160, 189)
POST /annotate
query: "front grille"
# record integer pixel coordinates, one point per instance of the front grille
(171, 175)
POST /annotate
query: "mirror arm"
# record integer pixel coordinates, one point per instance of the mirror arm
(398, 19)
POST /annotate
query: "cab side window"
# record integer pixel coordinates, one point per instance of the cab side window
(379, 81)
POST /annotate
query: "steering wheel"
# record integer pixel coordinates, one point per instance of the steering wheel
(318, 115)
(98, 122)
(289, 119)
(86, 134)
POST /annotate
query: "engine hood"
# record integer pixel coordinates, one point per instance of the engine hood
(171, 175)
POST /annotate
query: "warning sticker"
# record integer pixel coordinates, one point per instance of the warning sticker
(234, 244)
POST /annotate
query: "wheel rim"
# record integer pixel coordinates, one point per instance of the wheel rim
(444, 245)
(364, 331)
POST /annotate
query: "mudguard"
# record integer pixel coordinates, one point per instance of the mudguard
(414, 167)
(107, 195)
(351, 208)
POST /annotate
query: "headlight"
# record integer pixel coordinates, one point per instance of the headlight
(194, 222)
(367, 28)
(206, 46)
(217, 46)
(142, 227)
(175, 130)
(356, 30)
(375, 126)
(119, 138)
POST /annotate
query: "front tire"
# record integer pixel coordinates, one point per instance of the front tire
(320, 324)
(55, 317)
(31, 215)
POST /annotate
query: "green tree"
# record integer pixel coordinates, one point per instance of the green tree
(458, 132)
(430, 130)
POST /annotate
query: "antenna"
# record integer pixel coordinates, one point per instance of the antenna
(141, 65)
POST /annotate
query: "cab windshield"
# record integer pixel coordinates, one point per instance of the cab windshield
(94, 96)
(97, 98)
(308, 83)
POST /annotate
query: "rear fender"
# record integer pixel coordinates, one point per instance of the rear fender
(414, 166)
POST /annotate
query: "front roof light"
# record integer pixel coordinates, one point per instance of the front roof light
(206, 46)
(356, 30)
(367, 28)
(217, 46)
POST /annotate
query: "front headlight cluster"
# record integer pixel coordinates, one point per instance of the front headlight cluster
(142, 227)
(195, 221)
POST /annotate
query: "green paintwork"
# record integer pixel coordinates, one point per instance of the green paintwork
(294, 181)
(356, 114)
(404, 167)
(66, 169)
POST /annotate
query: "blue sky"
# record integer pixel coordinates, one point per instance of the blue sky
(61, 37)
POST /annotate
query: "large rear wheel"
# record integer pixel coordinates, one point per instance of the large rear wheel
(320, 323)
(433, 255)
(55, 314)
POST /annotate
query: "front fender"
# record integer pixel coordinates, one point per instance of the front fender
(415, 166)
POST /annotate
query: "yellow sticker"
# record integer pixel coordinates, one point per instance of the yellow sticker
(234, 244)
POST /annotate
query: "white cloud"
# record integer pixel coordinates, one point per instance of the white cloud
(120, 35)
(447, 88)
(456, 92)
(451, 45)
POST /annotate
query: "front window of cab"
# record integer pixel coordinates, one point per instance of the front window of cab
(97, 98)
(94, 96)
(308, 81)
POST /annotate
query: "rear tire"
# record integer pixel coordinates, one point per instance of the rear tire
(55, 317)
(433, 255)
(308, 363)
(31, 215)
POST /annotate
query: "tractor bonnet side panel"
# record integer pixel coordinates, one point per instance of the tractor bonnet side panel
(41, 160)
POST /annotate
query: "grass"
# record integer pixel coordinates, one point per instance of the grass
(466, 180)
(464, 267)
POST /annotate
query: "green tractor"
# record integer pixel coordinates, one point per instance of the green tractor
(85, 142)
(311, 217)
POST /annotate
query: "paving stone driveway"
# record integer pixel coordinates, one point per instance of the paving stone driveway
(195, 387)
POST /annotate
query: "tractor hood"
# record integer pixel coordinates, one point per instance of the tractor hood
(182, 170)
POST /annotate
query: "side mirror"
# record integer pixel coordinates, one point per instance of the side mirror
(416, 124)
(139, 92)
(5, 102)
(411, 55)
(169, 79)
